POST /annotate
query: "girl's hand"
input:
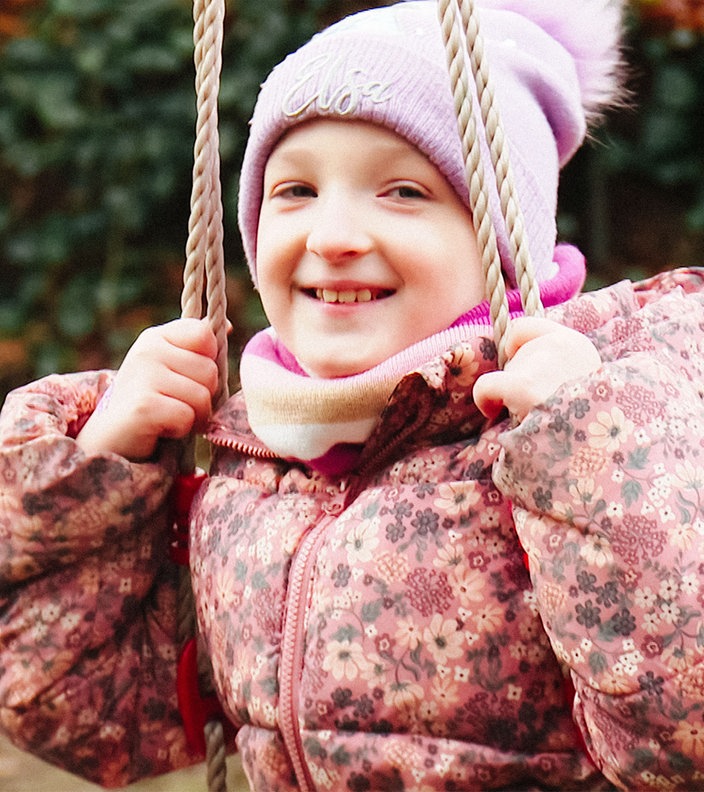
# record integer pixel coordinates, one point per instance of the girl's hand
(164, 388)
(542, 355)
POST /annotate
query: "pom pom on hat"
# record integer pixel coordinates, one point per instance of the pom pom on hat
(590, 32)
(554, 67)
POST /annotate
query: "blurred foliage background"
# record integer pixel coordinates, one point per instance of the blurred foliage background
(97, 116)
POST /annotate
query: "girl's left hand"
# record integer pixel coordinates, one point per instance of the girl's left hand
(541, 356)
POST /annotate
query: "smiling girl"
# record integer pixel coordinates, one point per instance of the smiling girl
(360, 550)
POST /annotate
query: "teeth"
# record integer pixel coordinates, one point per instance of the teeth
(348, 296)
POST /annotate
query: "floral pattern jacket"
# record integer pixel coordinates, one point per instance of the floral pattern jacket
(472, 608)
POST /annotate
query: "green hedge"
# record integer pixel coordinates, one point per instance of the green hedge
(97, 115)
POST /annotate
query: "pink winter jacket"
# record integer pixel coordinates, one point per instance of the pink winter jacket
(382, 632)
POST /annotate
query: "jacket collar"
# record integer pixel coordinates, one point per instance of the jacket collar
(430, 404)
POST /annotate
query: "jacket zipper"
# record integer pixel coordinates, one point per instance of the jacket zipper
(300, 579)
(292, 643)
(293, 635)
(241, 448)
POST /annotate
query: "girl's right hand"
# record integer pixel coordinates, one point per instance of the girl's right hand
(164, 388)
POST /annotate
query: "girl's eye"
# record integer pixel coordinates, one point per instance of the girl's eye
(296, 191)
(407, 191)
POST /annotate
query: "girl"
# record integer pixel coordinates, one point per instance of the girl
(358, 550)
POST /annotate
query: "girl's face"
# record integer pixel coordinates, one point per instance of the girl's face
(363, 247)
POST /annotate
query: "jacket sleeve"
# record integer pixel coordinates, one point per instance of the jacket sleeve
(607, 482)
(87, 593)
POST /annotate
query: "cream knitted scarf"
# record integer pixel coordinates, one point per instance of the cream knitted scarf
(324, 422)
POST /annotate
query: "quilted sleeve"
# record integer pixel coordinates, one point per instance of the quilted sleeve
(87, 593)
(607, 482)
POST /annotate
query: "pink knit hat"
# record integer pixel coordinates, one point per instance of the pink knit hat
(553, 63)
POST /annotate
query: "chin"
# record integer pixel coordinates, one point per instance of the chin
(336, 370)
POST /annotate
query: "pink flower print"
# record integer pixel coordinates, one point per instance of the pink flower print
(361, 541)
(586, 462)
(375, 670)
(456, 498)
(601, 391)
(553, 598)
(637, 538)
(640, 404)
(467, 585)
(689, 476)
(584, 317)
(450, 555)
(344, 659)
(690, 736)
(266, 612)
(597, 551)
(693, 682)
(408, 634)
(392, 567)
(402, 694)
(678, 658)
(610, 430)
(445, 691)
(464, 365)
(489, 618)
(443, 639)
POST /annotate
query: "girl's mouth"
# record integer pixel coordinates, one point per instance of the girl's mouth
(348, 295)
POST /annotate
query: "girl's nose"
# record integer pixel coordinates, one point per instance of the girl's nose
(338, 232)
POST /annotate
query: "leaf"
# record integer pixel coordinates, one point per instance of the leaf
(597, 663)
(631, 491)
(345, 632)
(638, 459)
(371, 611)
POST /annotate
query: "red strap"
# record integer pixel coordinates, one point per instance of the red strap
(183, 491)
(197, 710)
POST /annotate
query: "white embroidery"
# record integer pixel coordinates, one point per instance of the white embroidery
(336, 93)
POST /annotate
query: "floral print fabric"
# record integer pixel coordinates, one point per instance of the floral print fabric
(424, 661)
(611, 517)
(87, 635)
(384, 628)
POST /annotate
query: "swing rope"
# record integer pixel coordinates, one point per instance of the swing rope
(205, 260)
(459, 23)
(204, 287)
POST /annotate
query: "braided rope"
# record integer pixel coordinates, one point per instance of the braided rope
(205, 270)
(474, 170)
(215, 756)
(460, 29)
(500, 157)
(205, 261)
